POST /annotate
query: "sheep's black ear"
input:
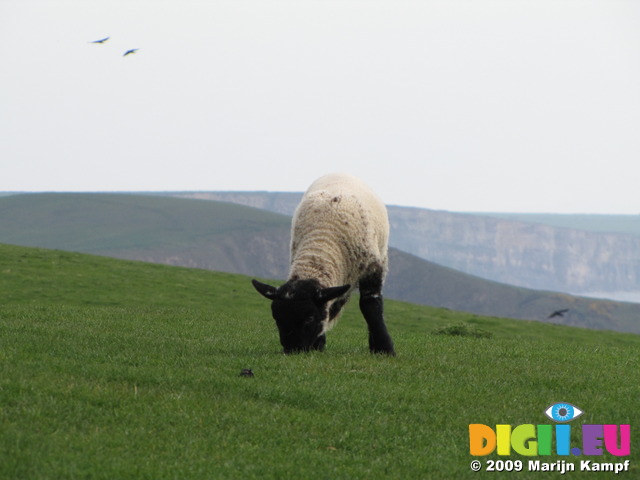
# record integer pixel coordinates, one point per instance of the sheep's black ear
(264, 289)
(330, 293)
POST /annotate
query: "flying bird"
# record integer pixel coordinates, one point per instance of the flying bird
(101, 40)
(558, 313)
(133, 50)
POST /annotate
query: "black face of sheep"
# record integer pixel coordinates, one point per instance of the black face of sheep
(299, 309)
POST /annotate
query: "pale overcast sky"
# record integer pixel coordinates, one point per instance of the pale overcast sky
(479, 105)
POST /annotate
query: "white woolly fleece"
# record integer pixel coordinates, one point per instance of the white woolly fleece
(340, 232)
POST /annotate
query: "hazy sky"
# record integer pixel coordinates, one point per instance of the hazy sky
(479, 105)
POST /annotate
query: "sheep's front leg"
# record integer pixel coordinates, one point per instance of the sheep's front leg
(371, 306)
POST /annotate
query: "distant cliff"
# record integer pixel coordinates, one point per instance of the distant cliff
(519, 253)
(525, 254)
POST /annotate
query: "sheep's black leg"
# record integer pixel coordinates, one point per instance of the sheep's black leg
(371, 306)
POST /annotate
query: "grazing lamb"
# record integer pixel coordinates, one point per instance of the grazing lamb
(339, 240)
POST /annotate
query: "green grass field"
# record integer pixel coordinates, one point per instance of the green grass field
(114, 370)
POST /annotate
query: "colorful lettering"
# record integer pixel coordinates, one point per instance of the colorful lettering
(611, 440)
(592, 439)
(544, 439)
(482, 439)
(503, 432)
(523, 440)
(530, 440)
(563, 439)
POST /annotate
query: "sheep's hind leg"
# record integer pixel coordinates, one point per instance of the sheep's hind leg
(371, 306)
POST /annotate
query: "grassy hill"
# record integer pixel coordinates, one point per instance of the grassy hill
(154, 229)
(233, 238)
(118, 369)
(104, 223)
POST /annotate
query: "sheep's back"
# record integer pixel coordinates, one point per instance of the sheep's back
(340, 229)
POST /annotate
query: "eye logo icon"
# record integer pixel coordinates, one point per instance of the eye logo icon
(563, 412)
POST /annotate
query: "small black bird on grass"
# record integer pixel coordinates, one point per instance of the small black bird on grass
(558, 313)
